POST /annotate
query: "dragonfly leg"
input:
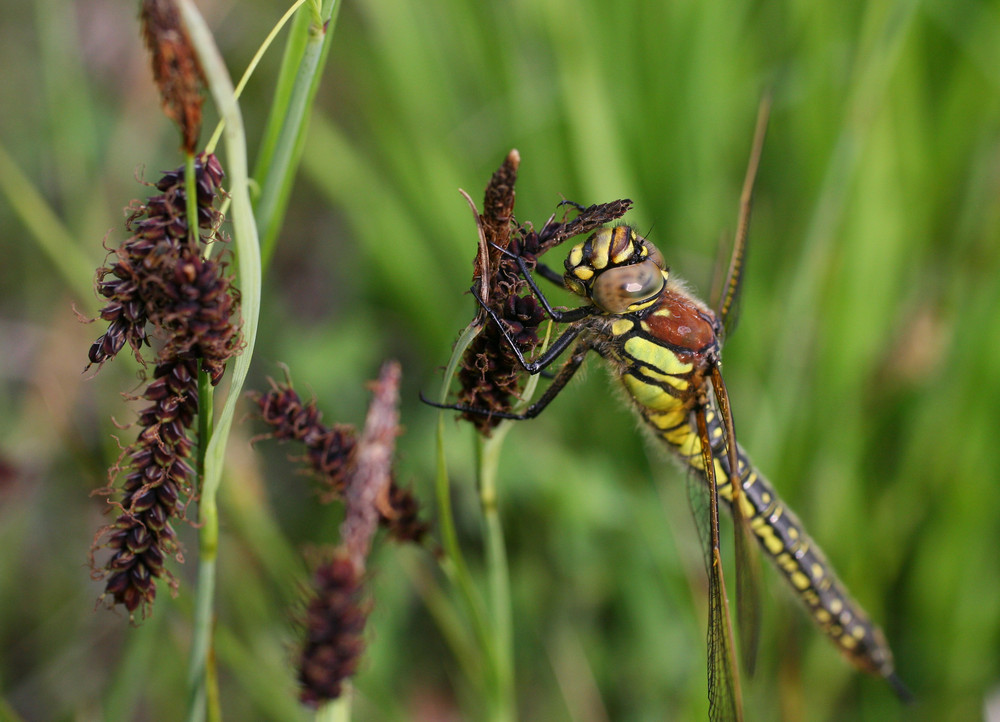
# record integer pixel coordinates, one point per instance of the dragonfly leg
(558, 384)
(547, 358)
(556, 315)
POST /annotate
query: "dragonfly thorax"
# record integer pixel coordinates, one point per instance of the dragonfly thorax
(617, 269)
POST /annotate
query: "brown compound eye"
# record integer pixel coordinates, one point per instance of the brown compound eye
(616, 289)
(655, 256)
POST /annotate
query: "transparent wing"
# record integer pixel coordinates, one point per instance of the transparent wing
(727, 306)
(747, 558)
(725, 702)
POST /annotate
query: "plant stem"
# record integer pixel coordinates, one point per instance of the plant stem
(488, 457)
(251, 66)
(285, 135)
(248, 252)
(453, 562)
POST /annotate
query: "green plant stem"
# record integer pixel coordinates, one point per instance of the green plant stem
(453, 562)
(497, 640)
(487, 462)
(284, 137)
(205, 414)
(339, 710)
(191, 197)
(248, 253)
(488, 457)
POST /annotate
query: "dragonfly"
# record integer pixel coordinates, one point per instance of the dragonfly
(663, 345)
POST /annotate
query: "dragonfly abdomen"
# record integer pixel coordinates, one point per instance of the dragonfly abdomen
(781, 535)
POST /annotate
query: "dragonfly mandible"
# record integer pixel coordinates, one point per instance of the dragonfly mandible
(664, 346)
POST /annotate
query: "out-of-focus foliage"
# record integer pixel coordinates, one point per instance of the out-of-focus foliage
(864, 375)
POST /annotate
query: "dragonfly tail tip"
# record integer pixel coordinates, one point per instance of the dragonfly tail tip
(901, 690)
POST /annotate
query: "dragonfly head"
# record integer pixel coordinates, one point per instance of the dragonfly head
(617, 269)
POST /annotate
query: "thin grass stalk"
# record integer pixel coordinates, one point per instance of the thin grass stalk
(495, 630)
(205, 413)
(488, 460)
(492, 625)
(291, 118)
(205, 392)
(48, 231)
(295, 45)
(339, 710)
(442, 609)
(498, 575)
(248, 252)
(251, 66)
(453, 562)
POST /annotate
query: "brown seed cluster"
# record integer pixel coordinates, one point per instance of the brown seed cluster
(158, 277)
(334, 623)
(491, 377)
(158, 285)
(176, 70)
(331, 453)
(357, 469)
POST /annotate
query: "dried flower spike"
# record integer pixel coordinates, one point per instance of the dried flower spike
(335, 620)
(133, 282)
(336, 615)
(491, 376)
(368, 492)
(176, 69)
(161, 285)
(331, 455)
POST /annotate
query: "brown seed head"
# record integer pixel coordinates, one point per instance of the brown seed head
(490, 376)
(335, 621)
(176, 70)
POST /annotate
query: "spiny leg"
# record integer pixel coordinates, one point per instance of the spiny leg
(747, 561)
(558, 346)
(550, 275)
(566, 372)
(725, 699)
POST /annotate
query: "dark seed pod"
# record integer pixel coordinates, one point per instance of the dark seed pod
(160, 280)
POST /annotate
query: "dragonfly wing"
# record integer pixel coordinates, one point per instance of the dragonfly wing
(725, 702)
(747, 559)
(727, 307)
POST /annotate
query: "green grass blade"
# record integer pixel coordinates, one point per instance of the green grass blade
(46, 229)
(287, 123)
(248, 253)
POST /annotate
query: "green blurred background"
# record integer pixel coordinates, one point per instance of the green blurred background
(863, 373)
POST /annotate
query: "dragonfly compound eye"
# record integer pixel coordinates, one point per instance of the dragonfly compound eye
(654, 254)
(628, 288)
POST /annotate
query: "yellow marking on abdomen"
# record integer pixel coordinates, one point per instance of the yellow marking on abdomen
(771, 542)
(668, 419)
(677, 383)
(649, 395)
(800, 580)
